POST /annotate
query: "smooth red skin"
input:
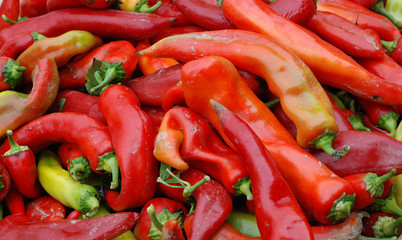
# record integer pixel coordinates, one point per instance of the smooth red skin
(397, 53)
(204, 14)
(10, 8)
(3, 85)
(16, 45)
(80, 102)
(169, 9)
(15, 202)
(98, 4)
(300, 11)
(374, 110)
(107, 227)
(89, 134)
(32, 8)
(45, 208)
(156, 114)
(365, 18)
(5, 180)
(132, 134)
(370, 221)
(277, 218)
(68, 152)
(172, 231)
(365, 3)
(52, 5)
(175, 30)
(348, 37)
(204, 149)
(372, 126)
(23, 172)
(74, 215)
(369, 152)
(363, 197)
(115, 24)
(143, 225)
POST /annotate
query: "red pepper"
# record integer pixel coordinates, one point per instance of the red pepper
(73, 159)
(365, 3)
(32, 8)
(14, 201)
(21, 164)
(74, 215)
(172, 231)
(17, 44)
(169, 9)
(348, 37)
(394, 49)
(204, 14)
(115, 24)
(369, 187)
(45, 208)
(98, 3)
(77, 101)
(55, 5)
(105, 227)
(299, 12)
(11, 73)
(364, 145)
(9, 9)
(132, 135)
(356, 120)
(373, 127)
(174, 31)
(266, 182)
(164, 209)
(90, 135)
(5, 181)
(381, 225)
(361, 16)
(185, 140)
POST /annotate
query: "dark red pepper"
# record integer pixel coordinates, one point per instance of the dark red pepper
(156, 114)
(97, 3)
(365, 3)
(169, 9)
(74, 215)
(45, 208)
(73, 159)
(11, 10)
(300, 11)
(32, 8)
(372, 127)
(55, 4)
(132, 134)
(15, 201)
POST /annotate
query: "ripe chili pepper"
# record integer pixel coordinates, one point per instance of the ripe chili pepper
(361, 16)
(348, 37)
(98, 3)
(115, 24)
(62, 48)
(11, 73)
(311, 179)
(185, 140)
(14, 201)
(5, 181)
(69, 100)
(164, 209)
(75, 214)
(52, 5)
(381, 225)
(364, 145)
(373, 127)
(169, 9)
(45, 208)
(105, 227)
(175, 31)
(17, 44)
(204, 14)
(90, 135)
(149, 64)
(132, 135)
(299, 12)
(265, 180)
(32, 8)
(356, 119)
(172, 231)
(18, 108)
(386, 8)
(73, 194)
(313, 115)
(365, 3)
(156, 114)
(10, 9)
(394, 49)
(369, 187)
(354, 78)
(73, 159)
(21, 164)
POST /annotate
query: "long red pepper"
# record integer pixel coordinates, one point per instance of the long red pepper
(174, 31)
(266, 181)
(300, 11)
(52, 5)
(45, 208)
(339, 70)
(73, 159)
(10, 9)
(17, 44)
(29, 8)
(90, 135)
(21, 164)
(169, 9)
(115, 24)
(132, 134)
(316, 187)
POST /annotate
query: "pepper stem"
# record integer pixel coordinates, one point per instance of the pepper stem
(357, 123)
(387, 205)
(341, 208)
(188, 190)
(143, 6)
(108, 162)
(361, 237)
(272, 102)
(324, 142)
(14, 147)
(79, 168)
(89, 205)
(389, 121)
(386, 226)
(380, 9)
(375, 184)
(390, 45)
(243, 186)
(154, 219)
(13, 72)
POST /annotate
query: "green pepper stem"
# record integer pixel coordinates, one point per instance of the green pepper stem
(389, 122)
(107, 74)
(387, 205)
(1, 183)
(386, 226)
(375, 184)
(36, 36)
(89, 205)
(341, 208)
(143, 6)
(390, 45)
(154, 219)
(14, 147)
(188, 190)
(79, 168)
(379, 8)
(272, 102)
(361, 237)
(357, 123)
(337, 100)
(324, 142)
(13, 72)
(109, 163)
(243, 186)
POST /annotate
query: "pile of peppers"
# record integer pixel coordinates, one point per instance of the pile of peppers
(201, 119)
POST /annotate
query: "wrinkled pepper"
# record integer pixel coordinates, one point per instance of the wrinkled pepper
(18, 108)
(132, 134)
(74, 161)
(45, 208)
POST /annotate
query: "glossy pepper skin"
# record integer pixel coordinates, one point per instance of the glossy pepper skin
(17, 44)
(45, 208)
(132, 134)
(394, 49)
(186, 140)
(52, 5)
(61, 48)
(115, 24)
(19, 108)
(15, 201)
(265, 58)
(348, 37)
(352, 77)
(314, 185)
(72, 75)
(73, 159)
(299, 12)
(21, 164)
(107, 227)
(266, 181)
(90, 135)
(5, 181)
(11, 9)
(29, 8)
(174, 31)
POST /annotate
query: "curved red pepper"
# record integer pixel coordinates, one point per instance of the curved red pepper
(174, 31)
(21, 164)
(45, 208)
(5, 181)
(74, 215)
(348, 37)
(73, 159)
(169, 9)
(300, 11)
(132, 135)
(115, 24)
(17, 44)
(90, 135)
(266, 181)
(11, 10)
(15, 201)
